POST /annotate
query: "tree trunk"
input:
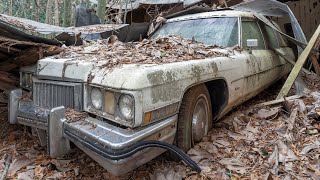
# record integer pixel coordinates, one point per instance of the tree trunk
(101, 10)
(119, 15)
(73, 14)
(24, 8)
(10, 7)
(87, 4)
(56, 13)
(67, 13)
(35, 10)
(49, 12)
(2, 7)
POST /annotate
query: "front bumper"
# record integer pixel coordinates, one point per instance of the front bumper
(99, 139)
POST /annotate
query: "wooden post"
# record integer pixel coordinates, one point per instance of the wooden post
(299, 64)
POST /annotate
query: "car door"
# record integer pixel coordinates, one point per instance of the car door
(260, 60)
(276, 44)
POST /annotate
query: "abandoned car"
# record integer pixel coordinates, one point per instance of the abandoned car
(174, 102)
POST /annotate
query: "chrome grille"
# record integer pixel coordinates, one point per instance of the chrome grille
(50, 94)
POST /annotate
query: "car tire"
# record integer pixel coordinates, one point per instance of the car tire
(195, 114)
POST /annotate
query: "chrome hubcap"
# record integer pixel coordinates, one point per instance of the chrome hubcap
(200, 120)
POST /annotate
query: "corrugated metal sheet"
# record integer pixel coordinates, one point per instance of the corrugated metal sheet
(135, 4)
(15, 28)
(43, 28)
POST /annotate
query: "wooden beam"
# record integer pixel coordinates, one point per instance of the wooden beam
(11, 42)
(29, 57)
(8, 78)
(299, 64)
(6, 86)
(277, 101)
(9, 48)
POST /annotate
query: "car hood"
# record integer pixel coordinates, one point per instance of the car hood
(123, 76)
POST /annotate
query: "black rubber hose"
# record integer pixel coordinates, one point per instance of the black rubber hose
(128, 152)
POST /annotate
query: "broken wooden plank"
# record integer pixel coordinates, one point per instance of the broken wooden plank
(7, 163)
(297, 68)
(314, 59)
(8, 78)
(277, 101)
(32, 55)
(6, 86)
(29, 57)
(3, 99)
(10, 42)
(315, 63)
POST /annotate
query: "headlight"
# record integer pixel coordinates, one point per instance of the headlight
(126, 106)
(96, 98)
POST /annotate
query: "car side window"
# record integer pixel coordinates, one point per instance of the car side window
(272, 38)
(251, 30)
(283, 42)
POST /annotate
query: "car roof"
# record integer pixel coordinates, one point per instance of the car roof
(220, 13)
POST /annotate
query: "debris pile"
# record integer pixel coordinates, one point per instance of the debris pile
(17, 50)
(265, 142)
(275, 142)
(111, 52)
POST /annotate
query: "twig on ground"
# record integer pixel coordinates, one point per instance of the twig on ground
(6, 168)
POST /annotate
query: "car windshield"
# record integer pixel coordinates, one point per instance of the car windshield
(221, 31)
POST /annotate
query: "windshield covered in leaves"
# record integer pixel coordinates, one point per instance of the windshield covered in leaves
(221, 31)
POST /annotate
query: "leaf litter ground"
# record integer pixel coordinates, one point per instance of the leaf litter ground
(278, 142)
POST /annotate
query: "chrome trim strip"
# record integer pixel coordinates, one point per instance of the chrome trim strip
(32, 123)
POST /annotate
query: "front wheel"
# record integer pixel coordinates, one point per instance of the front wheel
(195, 117)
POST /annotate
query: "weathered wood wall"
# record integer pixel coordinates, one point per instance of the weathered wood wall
(308, 14)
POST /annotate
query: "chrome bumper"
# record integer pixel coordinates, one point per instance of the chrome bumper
(95, 137)
(99, 140)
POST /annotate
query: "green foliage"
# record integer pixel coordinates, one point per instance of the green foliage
(27, 8)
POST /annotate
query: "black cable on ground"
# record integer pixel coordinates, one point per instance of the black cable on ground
(128, 152)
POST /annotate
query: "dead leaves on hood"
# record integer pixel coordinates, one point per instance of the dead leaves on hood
(110, 52)
(74, 116)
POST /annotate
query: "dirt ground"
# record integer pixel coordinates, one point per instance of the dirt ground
(249, 143)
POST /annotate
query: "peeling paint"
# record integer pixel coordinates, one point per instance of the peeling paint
(65, 66)
(165, 87)
(214, 68)
(196, 72)
(161, 77)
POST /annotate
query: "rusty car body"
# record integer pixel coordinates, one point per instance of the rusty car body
(174, 102)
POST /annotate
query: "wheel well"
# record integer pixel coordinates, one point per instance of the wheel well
(218, 91)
